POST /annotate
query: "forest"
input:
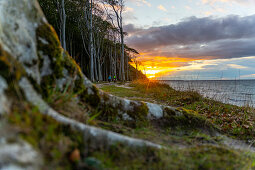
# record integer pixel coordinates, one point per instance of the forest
(92, 32)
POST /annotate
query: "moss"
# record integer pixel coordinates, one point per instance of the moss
(48, 45)
(187, 119)
(106, 97)
(109, 113)
(93, 99)
(139, 111)
(199, 157)
(70, 64)
(54, 140)
(169, 112)
(11, 70)
(51, 48)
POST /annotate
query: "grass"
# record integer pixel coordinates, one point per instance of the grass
(233, 120)
(58, 143)
(188, 147)
(199, 157)
(178, 136)
(122, 92)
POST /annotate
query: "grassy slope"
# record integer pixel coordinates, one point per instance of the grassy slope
(233, 120)
(188, 145)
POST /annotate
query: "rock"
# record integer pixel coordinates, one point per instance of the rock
(35, 56)
(33, 45)
(4, 105)
(16, 153)
(18, 23)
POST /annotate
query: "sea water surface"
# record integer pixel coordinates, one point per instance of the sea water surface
(237, 92)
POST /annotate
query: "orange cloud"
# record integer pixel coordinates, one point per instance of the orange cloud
(162, 8)
(160, 65)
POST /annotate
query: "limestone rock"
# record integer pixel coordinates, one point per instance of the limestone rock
(4, 105)
(18, 23)
(16, 153)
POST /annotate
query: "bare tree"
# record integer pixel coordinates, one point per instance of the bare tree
(62, 13)
(92, 75)
(88, 18)
(118, 7)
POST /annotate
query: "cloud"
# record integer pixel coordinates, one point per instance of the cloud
(141, 2)
(249, 76)
(131, 29)
(129, 15)
(236, 66)
(245, 2)
(162, 8)
(215, 69)
(188, 7)
(208, 37)
(128, 9)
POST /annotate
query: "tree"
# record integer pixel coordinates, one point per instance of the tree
(118, 7)
(92, 36)
(62, 14)
(92, 75)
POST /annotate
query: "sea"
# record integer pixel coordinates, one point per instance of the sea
(236, 92)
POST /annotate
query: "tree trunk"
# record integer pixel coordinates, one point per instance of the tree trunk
(92, 75)
(122, 54)
(116, 60)
(63, 24)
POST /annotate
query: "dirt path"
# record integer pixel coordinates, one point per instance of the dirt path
(126, 85)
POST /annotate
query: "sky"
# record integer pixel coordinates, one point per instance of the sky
(193, 39)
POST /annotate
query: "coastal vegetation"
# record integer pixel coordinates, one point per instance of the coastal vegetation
(191, 141)
(231, 119)
(53, 117)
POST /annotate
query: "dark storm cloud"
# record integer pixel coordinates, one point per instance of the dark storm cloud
(227, 37)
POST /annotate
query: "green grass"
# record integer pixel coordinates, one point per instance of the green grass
(56, 142)
(188, 146)
(198, 157)
(233, 120)
(122, 92)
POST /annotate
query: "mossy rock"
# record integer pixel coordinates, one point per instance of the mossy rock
(11, 70)
(187, 119)
(139, 112)
(55, 140)
(48, 45)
